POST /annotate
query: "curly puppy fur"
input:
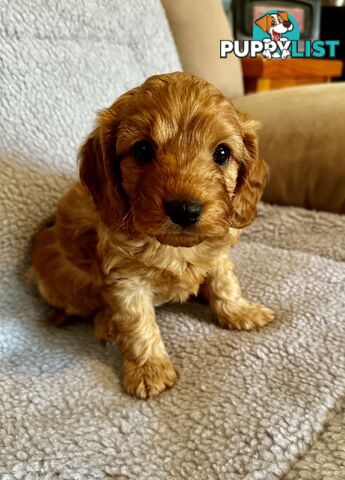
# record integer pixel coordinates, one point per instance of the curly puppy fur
(114, 253)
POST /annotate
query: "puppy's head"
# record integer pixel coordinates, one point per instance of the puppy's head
(275, 24)
(173, 159)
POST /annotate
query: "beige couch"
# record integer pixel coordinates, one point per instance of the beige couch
(303, 128)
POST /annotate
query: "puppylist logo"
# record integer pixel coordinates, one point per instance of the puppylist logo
(276, 35)
(276, 31)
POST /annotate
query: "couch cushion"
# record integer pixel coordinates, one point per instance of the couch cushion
(198, 27)
(303, 140)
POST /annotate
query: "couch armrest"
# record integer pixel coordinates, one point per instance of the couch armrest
(303, 140)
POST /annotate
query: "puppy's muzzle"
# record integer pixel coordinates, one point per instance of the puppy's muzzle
(183, 212)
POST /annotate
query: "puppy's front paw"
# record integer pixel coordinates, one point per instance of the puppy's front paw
(150, 379)
(246, 316)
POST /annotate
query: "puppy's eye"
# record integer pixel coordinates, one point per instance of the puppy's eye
(144, 151)
(222, 154)
(273, 22)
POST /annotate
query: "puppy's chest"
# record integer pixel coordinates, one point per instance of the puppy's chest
(176, 285)
(169, 274)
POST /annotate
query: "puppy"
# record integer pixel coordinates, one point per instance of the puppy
(168, 178)
(275, 25)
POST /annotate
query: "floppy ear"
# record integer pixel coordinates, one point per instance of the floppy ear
(263, 23)
(100, 173)
(251, 179)
(284, 16)
(91, 171)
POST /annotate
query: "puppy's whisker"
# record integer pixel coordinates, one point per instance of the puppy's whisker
(122, 223)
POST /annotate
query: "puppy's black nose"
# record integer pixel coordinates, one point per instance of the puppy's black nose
(183, 212)
(287, 24)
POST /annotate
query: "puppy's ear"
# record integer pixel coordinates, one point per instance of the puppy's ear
(263, 23)
(91, 171)
(252, 176)
(99, 172)
(284, 16)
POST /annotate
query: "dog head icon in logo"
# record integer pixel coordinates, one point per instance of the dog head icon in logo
(275, 28)
(275, 24)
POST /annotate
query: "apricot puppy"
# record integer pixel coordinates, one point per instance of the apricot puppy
(168, 178)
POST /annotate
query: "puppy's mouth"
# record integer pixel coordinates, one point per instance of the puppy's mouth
(276, 36)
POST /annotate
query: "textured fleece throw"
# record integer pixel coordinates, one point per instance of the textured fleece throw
(257, 405)
(248, 405)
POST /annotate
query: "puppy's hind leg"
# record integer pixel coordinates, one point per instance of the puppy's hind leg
(61, 318)
(57, 319)
(64, 286)
(225, 298)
